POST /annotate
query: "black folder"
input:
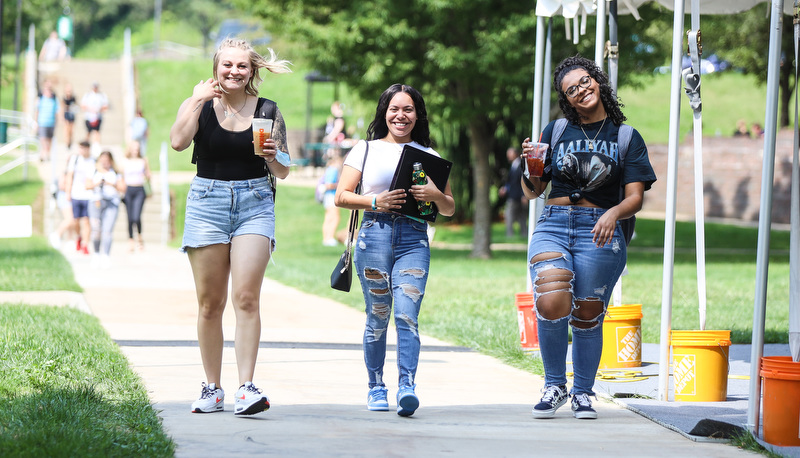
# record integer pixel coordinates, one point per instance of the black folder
(436, 168)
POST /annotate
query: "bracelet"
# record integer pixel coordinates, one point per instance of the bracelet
(374, 203)
(269, 162)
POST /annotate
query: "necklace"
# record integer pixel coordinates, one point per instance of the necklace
(232, 113)
(591, 142)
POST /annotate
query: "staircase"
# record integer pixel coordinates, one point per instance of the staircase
(113, 133)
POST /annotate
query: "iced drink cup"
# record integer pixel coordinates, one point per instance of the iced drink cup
(262, 130)
(535, 159)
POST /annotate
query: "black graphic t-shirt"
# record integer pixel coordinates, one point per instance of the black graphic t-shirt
(589, 167)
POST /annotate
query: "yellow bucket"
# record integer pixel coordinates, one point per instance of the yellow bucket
(700, 365)
(622, 337)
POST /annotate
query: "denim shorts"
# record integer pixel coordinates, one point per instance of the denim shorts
(218, 210)
(567, 230)
(80, 209)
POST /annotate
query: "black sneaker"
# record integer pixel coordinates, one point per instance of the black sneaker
(582, 407)
(554, 397)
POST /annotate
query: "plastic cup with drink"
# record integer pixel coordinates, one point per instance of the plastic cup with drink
(262, 130)
(534, 159)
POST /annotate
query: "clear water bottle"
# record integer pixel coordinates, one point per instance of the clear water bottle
(418, 176)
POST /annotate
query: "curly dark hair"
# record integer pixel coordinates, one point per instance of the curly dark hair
(611, 102)
(378, 129)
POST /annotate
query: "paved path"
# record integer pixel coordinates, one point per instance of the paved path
(311, 366)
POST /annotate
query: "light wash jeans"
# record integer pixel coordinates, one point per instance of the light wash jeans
(567, 230)
(102, 217)
(392, 258)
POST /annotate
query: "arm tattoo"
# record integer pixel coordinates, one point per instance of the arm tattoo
(279, 133)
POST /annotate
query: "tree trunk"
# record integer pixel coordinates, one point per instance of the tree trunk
(785, 94)
(481, 147)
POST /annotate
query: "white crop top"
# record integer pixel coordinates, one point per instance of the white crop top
(381, 163)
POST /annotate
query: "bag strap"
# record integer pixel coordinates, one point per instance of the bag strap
(354, 213)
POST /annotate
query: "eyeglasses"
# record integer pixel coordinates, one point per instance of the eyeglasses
(572, 91)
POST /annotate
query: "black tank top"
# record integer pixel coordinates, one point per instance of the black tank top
(223, 154)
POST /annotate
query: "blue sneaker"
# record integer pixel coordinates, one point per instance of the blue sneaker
(377, 399)
(407, 401)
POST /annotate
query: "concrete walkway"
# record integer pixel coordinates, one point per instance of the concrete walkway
(311, 367)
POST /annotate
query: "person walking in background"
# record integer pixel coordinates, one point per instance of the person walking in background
(335, 128)
(392, 254)
(94, 103)
(578, 249)
(69, 107)
(46, 109)
(330, 181)
(140, 131)
(230, 211)
(516, 202)
(136, 173)
(53, 48)
(68, 225)
(79, 172)
(107, 185)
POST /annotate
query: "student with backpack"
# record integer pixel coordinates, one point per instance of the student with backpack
(230, 211)
(578, 249)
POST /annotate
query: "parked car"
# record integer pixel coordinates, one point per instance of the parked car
(251, 31)
(712, 64)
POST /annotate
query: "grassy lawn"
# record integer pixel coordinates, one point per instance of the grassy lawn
(67, 389)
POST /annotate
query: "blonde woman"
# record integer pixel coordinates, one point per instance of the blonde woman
(107, 185)
(230, 212)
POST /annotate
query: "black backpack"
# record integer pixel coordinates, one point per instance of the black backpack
(266, 109)
(623, 140)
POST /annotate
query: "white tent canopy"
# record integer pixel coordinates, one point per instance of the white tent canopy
(572, 9)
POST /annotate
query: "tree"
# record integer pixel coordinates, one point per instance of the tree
(744, 42)
(471, 60)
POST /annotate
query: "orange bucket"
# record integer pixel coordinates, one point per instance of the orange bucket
(781, 400)
(700, 365)
(526, 318)
(622, 337)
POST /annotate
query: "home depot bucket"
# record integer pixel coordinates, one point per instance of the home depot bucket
(781, 400)
(526, 318)
(700, 365)
(622, 337)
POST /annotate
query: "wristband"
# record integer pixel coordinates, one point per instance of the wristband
(374, 203)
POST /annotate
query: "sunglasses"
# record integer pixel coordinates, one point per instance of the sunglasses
(572, 91)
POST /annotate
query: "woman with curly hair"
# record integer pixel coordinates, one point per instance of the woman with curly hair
(578, 250)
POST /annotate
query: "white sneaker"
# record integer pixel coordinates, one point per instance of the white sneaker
(212, 399)
(249, 400)
(55, 240)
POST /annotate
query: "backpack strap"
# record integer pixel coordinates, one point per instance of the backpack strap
(205, 113)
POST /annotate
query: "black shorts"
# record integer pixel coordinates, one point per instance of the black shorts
(93, 125)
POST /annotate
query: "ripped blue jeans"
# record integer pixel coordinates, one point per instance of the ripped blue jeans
(391, 260)
(566, 265)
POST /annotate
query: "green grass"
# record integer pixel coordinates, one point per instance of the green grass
(727, 97)
(68, 391)
(30, 264)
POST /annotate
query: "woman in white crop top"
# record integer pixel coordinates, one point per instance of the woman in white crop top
(392, 255)
(137, 173)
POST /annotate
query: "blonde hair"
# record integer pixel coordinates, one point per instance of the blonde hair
(257, 62)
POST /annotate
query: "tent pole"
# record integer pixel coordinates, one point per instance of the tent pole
(600, 33)
(669, 217)
(613, 51)
(536, 127)
(765, 214)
